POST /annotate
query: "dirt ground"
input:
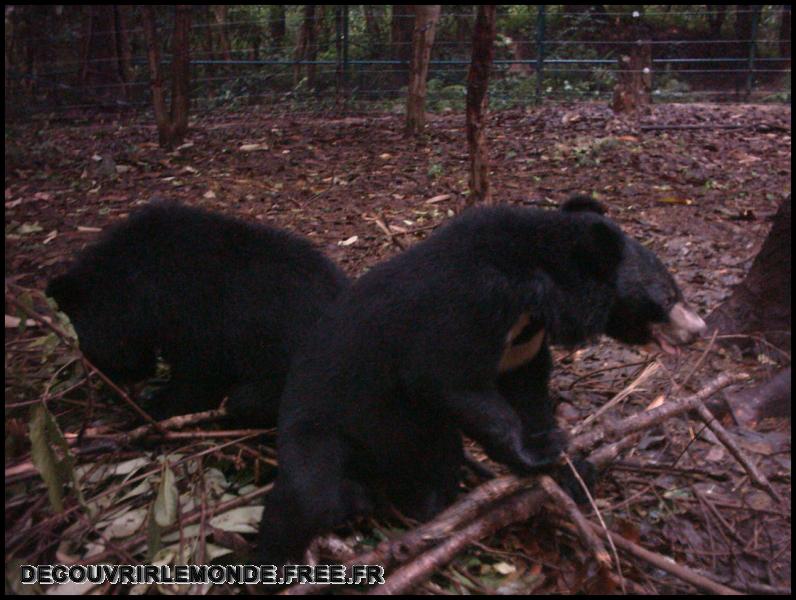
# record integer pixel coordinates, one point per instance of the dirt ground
(697, 183)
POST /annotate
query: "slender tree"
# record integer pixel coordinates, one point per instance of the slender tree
(784, 33)
(173, 125)
(307, 45)
(716, 14)
(276, 24)
(477, 87)
(220, 15)
(401, 27)
(103, 67)
(181, 73)
(426, 17)
(633, 89)
(372, 14)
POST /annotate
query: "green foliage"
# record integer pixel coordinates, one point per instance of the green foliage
(435, 170)
(781, 96)
(56, 468)
(668, 85)
(441, 96)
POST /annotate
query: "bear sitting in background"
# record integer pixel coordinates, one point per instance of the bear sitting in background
(225, 303)
(451, 337)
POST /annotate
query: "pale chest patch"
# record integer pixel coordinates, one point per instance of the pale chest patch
(517, 354)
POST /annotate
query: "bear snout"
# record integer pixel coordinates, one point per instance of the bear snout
(684, 324)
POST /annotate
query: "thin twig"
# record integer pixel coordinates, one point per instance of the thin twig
(755, 475)
(667, 564)
(648, 372)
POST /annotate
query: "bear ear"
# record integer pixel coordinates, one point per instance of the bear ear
(600, 249)
(582, 203)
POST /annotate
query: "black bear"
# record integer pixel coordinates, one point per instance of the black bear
(449, 337)
(225, 303)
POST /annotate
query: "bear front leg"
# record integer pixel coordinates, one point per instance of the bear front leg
(489, 419)
(525, 388)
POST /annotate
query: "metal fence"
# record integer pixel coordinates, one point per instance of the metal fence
(538, 62)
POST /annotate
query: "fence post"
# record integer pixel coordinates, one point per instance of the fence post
(540, 52)
(751, 65)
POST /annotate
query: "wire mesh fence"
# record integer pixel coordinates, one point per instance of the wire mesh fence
(71, 58)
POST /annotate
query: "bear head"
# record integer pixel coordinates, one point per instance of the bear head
(648, 306)
(107, 327)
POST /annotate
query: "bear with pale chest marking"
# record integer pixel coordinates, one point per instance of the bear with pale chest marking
(225, 303)
(451, 337)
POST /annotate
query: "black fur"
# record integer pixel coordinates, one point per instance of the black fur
(224, 302)
(583, 203)
(409, 359)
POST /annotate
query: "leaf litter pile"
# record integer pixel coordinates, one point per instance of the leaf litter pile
(695, 493)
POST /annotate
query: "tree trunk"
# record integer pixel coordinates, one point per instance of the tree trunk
(171, 126)
(716, 15)
(307, 46)
(760, 305)
(477, 87)
(24, 26)
(769, 399)
(101, 67)
(784, 34)
(746, 15)
(125, 51)
(426, 17)
(156, 77)
(633, 90)
(341, 49)
(464, 26)
(277, 25)
(256, 37)
(220, 15)
(743, 22)
(181, 74)
(372, 15)
(402, 25)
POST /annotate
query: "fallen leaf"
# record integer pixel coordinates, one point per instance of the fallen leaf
(676, 200)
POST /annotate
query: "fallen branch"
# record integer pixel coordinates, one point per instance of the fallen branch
(381, 222)
(755, 475)
(169, 425)
(499, 502)
(587, 536)
(645, 375)
(609, 432)
(411, 543)
(667, 564)
(519, 507)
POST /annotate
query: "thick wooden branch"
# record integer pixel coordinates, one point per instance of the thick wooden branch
(496, 504)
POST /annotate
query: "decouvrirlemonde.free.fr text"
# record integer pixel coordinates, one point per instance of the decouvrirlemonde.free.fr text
(203, 574)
